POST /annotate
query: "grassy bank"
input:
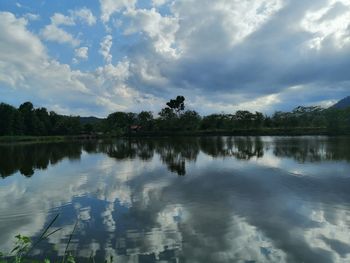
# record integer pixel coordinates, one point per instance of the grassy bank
(4, 139)
(237, 132)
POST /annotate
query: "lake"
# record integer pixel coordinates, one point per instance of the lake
(209, 199)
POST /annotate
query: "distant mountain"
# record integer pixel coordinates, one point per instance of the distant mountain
(342, 104)
(90, 120)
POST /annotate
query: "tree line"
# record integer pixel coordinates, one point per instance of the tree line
(174, 117)
(27, 120)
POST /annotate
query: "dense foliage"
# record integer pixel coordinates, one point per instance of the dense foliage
(27, 120)
(174, 118)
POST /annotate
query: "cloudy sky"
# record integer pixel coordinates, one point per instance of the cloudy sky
(95, 57)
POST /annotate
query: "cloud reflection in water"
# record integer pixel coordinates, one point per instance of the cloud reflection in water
(242, 199)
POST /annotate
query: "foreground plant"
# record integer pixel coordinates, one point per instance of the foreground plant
(23, 245)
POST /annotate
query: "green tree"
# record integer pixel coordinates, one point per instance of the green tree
(216, 122)
(244, 119)
(7, 115)
(167, 119)
(30, 120)
(145, 120)
(259, 119)
(18, 123)
(44, 124)
(190, 120)
(177, 105)
(120, 122)
(88, 128)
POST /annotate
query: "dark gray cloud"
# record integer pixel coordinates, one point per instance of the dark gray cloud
(272, 58)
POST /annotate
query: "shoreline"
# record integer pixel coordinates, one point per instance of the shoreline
(199, 133)
(50, 138)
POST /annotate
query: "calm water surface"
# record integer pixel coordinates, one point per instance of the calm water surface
(217, 199)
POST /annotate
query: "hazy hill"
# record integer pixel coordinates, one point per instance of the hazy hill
(90, 120)
(342, 104)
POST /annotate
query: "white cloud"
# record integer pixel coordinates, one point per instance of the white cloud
(105, 48)
(26, 67)
(217, 26)
(53, 31)
(328, 23)
(219, 54)
(250, 50)
(60, 19)
(56, 34)
(31, 16)
(20, 49)
(241, 18)
(82, 52)
(85, 15)
(158, 3)
(160, 29)
(109, 7)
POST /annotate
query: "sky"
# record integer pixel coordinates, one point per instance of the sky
(90, 57)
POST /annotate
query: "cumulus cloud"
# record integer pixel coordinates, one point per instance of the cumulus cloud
(15, 39)
(260, 55)
(27, 68)
(53, 31)
(105, 48)
(56, 34)
(109, 7)
(32, 17)
(158, 3)
(85, 15)
(82, 52)
(60, 19)
(328, 24)
(160, 29)
(240, 53)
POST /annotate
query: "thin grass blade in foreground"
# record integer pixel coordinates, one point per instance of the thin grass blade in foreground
(69, 240)
(42, 236)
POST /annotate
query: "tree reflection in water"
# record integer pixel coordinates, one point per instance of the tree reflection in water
(25, 158)
(175, 153)
(313, 149)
